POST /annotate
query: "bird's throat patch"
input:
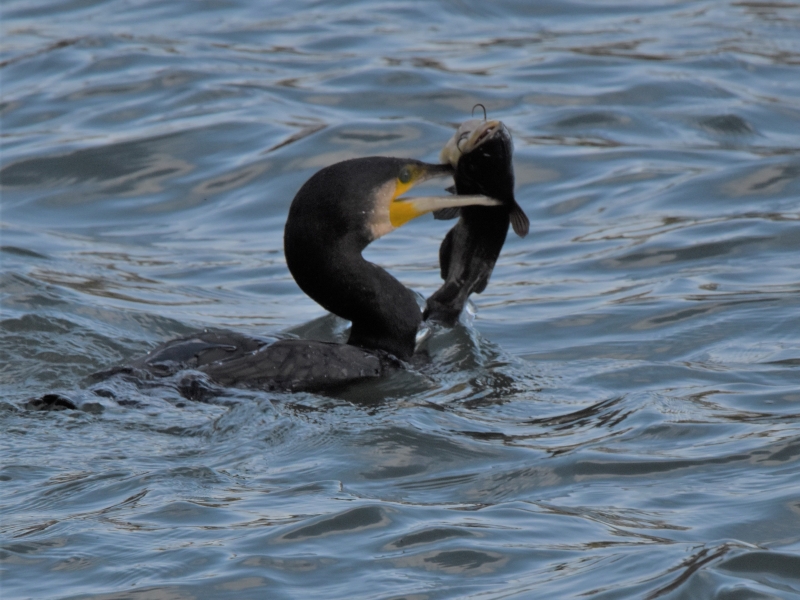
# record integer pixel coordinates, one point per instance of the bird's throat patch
(391, 211)
(380, 221)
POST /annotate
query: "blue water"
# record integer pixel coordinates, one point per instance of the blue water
(621, 418)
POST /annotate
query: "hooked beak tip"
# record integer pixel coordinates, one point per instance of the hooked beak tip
(441, 170)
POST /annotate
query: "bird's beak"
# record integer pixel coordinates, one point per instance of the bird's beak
(402, 210)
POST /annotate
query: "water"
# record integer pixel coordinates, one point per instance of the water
(621, 419)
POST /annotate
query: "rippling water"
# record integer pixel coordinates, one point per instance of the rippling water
(621, 419)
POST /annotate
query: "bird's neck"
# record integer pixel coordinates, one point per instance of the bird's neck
(384, 313)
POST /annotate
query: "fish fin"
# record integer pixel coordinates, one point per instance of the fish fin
(482, 282)
(443, 214)
(519, 221)
(451, 189)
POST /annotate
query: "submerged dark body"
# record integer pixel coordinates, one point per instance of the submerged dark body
(229, 358)
(481, 153)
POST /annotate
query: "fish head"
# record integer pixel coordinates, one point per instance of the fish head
(481, 154)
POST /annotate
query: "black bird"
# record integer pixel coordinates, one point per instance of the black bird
(481, 153)
(334, 216)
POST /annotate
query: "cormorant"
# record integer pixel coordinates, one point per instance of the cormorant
(334, 216)
(480, 152)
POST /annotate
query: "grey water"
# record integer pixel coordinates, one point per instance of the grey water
(620, 418)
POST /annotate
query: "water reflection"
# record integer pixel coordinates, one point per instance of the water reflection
(351, 521)
(689, 566)
(50, 48)
(726, 124)
(772, 179)
(126, 169)
(618, 421)
(429, 536)
(459, 561)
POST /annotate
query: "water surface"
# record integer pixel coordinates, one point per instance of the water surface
(620, 420)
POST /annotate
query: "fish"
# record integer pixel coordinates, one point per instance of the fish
(480, 153)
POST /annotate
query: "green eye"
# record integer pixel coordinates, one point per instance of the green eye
(405, 175)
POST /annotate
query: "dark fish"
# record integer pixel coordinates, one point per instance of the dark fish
(480, 152)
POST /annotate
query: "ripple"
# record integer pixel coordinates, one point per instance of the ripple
(351, 521)
(626, 383)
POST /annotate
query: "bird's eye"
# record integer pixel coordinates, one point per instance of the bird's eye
(405, 175)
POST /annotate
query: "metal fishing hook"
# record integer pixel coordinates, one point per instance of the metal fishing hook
(482, 106)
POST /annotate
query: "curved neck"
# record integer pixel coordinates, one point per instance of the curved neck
(384, 313)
